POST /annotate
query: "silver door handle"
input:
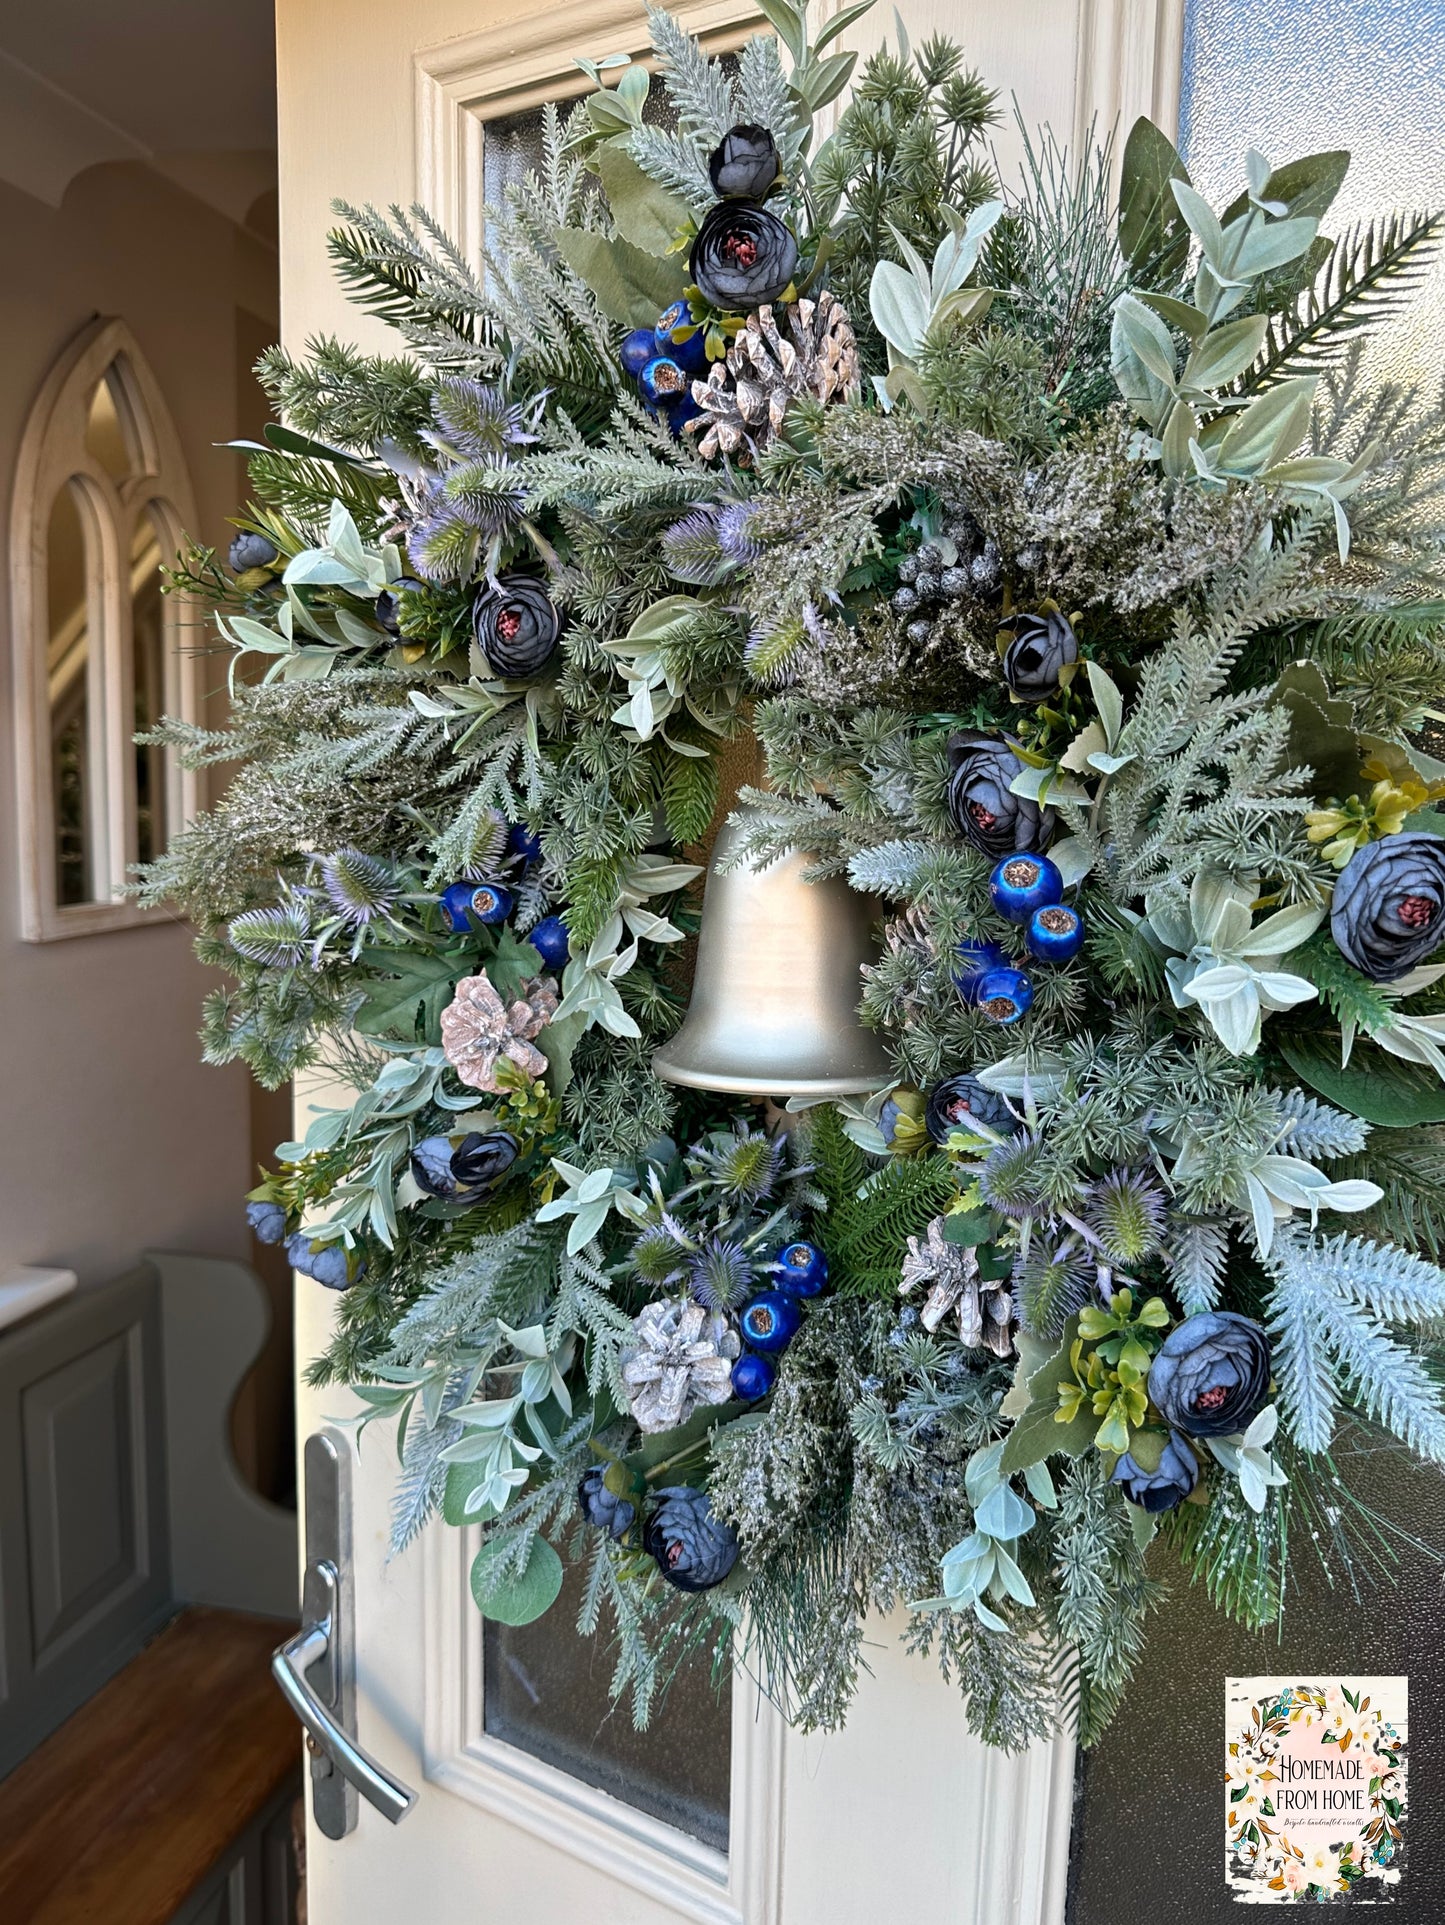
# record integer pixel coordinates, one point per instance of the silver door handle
(314, 1646)
(316, 1669)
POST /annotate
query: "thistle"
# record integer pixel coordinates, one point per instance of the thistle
(721, 1275)
(278, 937)
(359, 887)
(1011, 1179)
(1125, 1210)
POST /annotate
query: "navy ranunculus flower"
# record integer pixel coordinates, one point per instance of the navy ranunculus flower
(694, 1550)
(267, 1220)
(1210, 1376)
(251, 551)
(482, 1159)
(744, 165)
(956, 1101)
(516, 626)
(1388, 912)
(603, 1507)
(466, 1172)
(1043, 646)
(1168, 1483)
(743, 257)
(997, 822)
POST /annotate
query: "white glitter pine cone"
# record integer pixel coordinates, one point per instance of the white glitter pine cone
(478, 1029)
(805, 347)
(681, 1357)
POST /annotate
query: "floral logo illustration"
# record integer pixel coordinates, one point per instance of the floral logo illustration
(1314, 1789)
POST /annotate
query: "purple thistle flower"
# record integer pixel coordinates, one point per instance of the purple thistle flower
(721, 1275)
(359, 887)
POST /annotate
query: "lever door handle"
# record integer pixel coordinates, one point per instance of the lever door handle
(313, 1646)
(316, 1669)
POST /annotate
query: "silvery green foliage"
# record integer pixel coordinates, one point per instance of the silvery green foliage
(1315, 1129)
(1329, 1312)
(1199, 1251)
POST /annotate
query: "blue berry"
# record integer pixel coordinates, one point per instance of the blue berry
(801, 1270)
(524, 842)
(1005, 994)
(1022, 883)
(637, 350)
(974, 959)
(690, 354)
(664, 382)
(770, 1321)
(474, 905)
(753, 1376)
(1054, 934)
(551, 942)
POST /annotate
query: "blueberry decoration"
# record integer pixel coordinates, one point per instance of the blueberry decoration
(602, 1507)
(524, 842)
(251, 551)
(694, 1549)
(744, 164)
(743, 257)
(975, 959)
(753, 1376)
(665, 383)
(1161, 1484)
(267, 1221)
(679, 333)
(550, 940)
(516, 627)
(1022, 883)
(474, 905)
(1054, 934)
(637, 350)
(1210, 1376)
(1388, 912)
(1004, 995)
(801, 1270)
(770, 1321)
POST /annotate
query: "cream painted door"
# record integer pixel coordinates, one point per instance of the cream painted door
(903, 1814)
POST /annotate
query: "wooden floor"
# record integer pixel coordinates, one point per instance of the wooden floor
(121, 1812)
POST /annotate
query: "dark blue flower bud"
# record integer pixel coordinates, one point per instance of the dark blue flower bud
(1168, 1483)
(267, 1220)
(251, 551)
(603, 1507)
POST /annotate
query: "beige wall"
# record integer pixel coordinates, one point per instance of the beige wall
(113, 1135)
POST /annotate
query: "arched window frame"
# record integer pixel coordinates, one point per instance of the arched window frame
(53, 456)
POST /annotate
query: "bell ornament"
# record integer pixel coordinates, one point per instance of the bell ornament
(776, 987)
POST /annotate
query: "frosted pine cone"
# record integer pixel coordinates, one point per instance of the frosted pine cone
(780, 353)
(680, 1357)
(984, 1309)
(478, 1028)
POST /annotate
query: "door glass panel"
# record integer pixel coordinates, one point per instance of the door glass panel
(1368, 75)
(106, 437)
(545, 1691)
(68, 680)
(148, 646)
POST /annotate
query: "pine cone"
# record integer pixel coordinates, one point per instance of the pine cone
(806, 347)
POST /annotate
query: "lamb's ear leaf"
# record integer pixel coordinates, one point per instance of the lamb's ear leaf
(632, 287)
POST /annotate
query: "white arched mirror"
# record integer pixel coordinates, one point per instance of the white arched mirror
(101, 500)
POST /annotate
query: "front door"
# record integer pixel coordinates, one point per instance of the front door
(533, 1805)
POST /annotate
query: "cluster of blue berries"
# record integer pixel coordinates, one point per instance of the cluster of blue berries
(1026, 889)
(664, 361)
(770, 1321)
(483, 905)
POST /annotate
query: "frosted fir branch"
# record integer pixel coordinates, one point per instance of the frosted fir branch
(1199, 1252)
(893, 868)
(418, 1492)
(673, 163)
(698, 88)
(1325, 1314)
(1314, 1129)
(764, 99)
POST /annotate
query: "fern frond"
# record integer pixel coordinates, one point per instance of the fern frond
(1370, 273)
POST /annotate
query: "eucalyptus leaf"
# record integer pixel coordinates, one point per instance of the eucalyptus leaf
(510, 1597)
(632, 287)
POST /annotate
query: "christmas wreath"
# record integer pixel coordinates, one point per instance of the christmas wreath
(1082, 593)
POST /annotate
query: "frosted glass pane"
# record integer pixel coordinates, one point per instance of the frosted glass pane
(545, 1691)
(68, 678)
(1368, 75)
